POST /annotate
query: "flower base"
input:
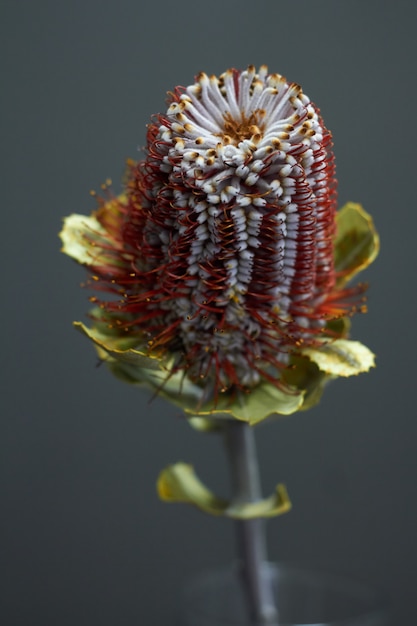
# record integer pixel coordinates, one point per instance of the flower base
(303, 598)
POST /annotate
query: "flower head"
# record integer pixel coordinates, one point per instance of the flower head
(220, 254)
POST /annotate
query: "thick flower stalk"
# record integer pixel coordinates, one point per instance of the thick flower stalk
(226, 287)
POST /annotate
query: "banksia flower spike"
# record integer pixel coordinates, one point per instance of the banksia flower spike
(225, 258)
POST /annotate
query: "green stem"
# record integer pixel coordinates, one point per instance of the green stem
(251, 541)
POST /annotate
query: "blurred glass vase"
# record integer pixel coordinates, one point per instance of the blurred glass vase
(303, 597)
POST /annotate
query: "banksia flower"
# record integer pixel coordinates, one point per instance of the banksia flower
(228, 279)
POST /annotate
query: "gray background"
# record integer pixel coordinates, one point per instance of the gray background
(84, 539)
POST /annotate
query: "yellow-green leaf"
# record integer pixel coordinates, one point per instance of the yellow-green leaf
(357, 242)
(86, 238)
(179, 483)
(134, 366)
(305, 375)
(118, 348)
(75, 236)
(277, 504)
(342, 357)
(339, 327)
(254, 406)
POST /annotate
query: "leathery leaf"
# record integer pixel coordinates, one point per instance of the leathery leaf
(179, 483)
